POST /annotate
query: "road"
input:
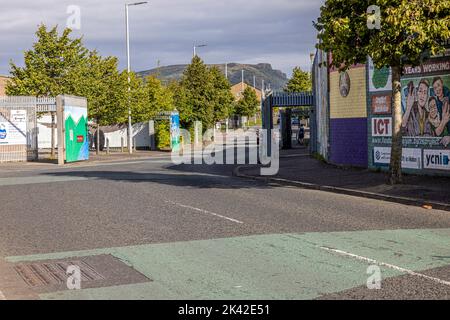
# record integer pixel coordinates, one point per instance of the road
(147, 229)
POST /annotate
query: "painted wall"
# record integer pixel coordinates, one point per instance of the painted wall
(348, 119)
(426, 149)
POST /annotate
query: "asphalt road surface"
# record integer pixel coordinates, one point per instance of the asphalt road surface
(147, 229)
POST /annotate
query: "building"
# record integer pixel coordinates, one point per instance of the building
(3, 81)
(239, 88)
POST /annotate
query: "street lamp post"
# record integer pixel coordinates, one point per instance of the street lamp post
(198, 46)
(130, 138)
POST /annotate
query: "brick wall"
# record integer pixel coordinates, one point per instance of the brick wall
(348, 120)
(354, 105)
(237, 91)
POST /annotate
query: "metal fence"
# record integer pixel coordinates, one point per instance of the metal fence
(18, 128)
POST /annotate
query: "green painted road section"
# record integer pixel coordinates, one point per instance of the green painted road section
(15, 181)
(283, 266)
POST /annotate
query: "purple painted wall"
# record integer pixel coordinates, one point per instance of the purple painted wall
(348, 142)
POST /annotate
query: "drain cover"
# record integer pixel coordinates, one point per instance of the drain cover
(96, 272)
(47, 274)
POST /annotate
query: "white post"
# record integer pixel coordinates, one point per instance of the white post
(130, 143)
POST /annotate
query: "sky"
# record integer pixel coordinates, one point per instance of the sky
(278, 32)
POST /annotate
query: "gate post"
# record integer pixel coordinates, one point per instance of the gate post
(60, 127)
(151, 132)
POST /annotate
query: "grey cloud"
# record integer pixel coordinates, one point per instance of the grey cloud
(251, 31)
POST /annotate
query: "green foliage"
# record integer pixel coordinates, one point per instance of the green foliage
(162, 135)
(198, 85)
(202, 95)
(409, 28)
(61, 65)
(223, 98)
(100, 82)
(181, 103)
(248, 105)
(51, 67)
(300, 82)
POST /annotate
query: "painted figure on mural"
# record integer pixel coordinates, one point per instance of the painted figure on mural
(415, 120)
(442, 94)
(427, 112)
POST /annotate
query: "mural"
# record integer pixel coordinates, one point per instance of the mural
(77, 144)
(425, 121)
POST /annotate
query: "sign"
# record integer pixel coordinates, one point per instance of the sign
(381, 104)
(431, 67)
(382, 127)
(175, 135)
(437, 159)
(411, 158)
(379, 79)
(14, 130)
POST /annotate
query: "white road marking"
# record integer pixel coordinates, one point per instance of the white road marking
(205, 211)
(2, 296)
(391, 266)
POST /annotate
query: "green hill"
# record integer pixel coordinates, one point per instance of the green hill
(275, 78)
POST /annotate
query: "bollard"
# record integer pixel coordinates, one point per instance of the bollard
(134, 144)
(121, 144)
(107, 145)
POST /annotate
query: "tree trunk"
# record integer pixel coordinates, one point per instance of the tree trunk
(52, 152)
(397, 138)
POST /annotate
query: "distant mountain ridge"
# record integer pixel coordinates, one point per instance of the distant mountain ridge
(263, 71)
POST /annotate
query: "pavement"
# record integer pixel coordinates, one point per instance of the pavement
(299, 168)
(148, 229)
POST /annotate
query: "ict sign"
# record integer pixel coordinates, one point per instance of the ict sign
(382, 127)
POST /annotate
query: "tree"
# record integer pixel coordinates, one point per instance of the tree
(180, 99)
(300, 82)
(160, 97)
(50, 67)
(248, 105)
(101, 83)
(198, 85)
(223, 98)
(411, 31)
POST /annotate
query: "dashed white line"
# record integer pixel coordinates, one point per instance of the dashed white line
(205, 211)
(391, 266)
